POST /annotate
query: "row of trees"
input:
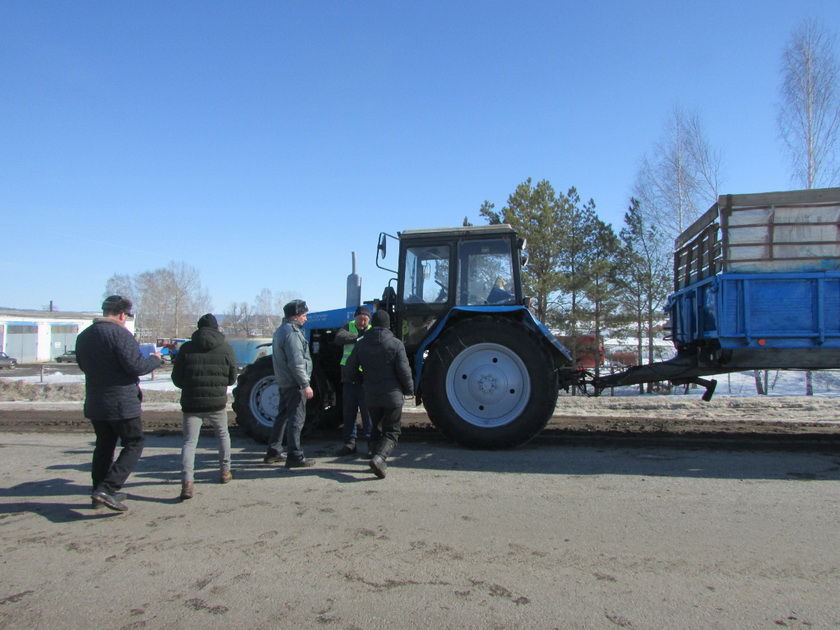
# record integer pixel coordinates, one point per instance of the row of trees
(168, 302)
(259, 319)
(584, 277)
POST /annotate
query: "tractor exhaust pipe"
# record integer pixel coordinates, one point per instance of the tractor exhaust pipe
(354, 286)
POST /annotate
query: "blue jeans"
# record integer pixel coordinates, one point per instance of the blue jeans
(192, 427)
(353, 398)
(291, 414)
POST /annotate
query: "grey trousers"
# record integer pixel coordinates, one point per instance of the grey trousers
(192, 426)
(291, 414)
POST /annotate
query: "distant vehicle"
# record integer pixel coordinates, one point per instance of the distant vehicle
(67, 357)
(7, 362)
(168, 347)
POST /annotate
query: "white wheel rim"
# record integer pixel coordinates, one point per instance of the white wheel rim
(488, 385)
(265, 400)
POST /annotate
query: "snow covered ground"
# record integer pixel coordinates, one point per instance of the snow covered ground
(735, 399)
(780, 383)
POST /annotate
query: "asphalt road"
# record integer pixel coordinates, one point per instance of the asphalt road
(541, 537)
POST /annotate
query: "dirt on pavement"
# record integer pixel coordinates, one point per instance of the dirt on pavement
(58, 407)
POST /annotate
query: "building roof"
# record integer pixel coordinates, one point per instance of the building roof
(41, 314)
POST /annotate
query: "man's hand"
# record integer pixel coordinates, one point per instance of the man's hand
(308, 393)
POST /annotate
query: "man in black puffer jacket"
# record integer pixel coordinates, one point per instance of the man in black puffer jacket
(387, 379)
(203, 369)
(110, 357)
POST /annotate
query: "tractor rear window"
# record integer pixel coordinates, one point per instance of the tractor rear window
(485, 273)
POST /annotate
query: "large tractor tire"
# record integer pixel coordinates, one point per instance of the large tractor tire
(256, 399)
(489, 383)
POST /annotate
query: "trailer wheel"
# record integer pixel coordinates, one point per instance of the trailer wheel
(489, 383)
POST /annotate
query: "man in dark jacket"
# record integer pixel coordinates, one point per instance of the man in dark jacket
(352, 393)
(203, 369)
(387, 379)
(110, 357)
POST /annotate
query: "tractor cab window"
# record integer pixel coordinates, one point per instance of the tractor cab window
(426, 275)
(485, 273)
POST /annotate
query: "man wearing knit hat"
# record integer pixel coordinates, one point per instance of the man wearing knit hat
(292, 371)
(352, 393)
(387, 378)
(203, 369)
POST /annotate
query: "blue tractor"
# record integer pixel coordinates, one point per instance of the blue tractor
(486, 371)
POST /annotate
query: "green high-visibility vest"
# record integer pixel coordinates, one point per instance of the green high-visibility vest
(348, 347)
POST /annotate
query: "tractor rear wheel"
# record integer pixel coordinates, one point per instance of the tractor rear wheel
(489, 383)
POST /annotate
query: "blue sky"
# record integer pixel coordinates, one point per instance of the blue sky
(262, 142)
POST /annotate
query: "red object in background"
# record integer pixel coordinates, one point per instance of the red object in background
(586, 349)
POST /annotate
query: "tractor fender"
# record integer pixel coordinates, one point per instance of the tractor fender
(459, 312)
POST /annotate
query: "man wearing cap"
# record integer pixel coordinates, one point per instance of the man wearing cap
(352, 393)
(203, 369)
(292, 371)
(387, 378)
(110, 358)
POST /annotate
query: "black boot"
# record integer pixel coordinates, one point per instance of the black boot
(274, 457)
(378, 466)
(349, 448)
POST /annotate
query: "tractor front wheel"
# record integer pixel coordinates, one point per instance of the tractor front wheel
(256, 399)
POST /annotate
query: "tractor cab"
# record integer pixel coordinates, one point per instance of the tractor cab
(438, 269)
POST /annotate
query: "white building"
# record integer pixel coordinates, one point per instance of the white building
(29, 335)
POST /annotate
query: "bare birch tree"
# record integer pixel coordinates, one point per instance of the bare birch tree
(809, 112)
(120, 284)
(239, 320)
(809, 108)
(266, 312)
(168, 301)
(681, 178)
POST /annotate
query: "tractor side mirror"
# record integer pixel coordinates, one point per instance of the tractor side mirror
(522, 246)
(382, 250)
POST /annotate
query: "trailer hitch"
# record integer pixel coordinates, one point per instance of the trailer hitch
(679, 371)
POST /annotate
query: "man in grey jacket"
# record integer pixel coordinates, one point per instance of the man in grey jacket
(292, 371)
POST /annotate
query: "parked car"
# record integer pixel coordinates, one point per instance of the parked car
(7, 362)
(67, 357)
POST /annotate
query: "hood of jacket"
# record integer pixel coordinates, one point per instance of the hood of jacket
(207, 338)
(378, 334)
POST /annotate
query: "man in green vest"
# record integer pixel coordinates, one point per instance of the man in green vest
(353, 393)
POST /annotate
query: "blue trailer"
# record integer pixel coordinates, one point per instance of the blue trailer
(756, 286)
